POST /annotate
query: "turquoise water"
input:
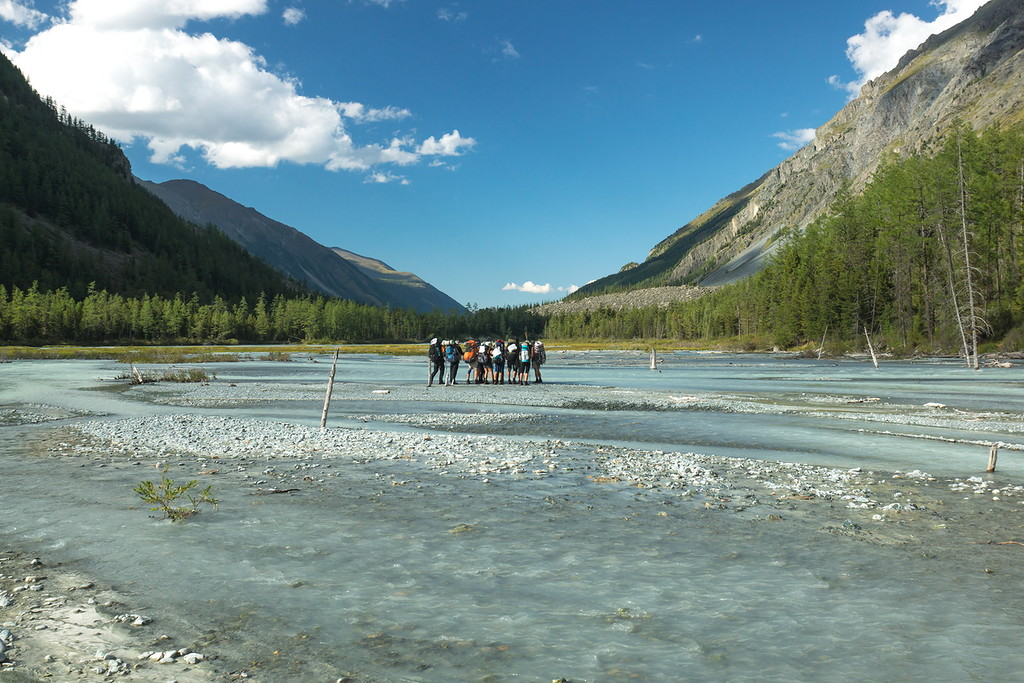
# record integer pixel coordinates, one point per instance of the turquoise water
(554, 577)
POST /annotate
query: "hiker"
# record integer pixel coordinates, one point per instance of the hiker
(469, 355)
(512, 361)
(485, 363)
(524, 362)
(452, 354)
(436, 356)
(498, 362)
(540, 357)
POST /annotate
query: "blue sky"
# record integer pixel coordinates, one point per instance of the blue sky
(505, 151)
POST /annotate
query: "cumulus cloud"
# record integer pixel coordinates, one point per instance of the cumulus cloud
(528, 287)
(794, 139)
(293, 16)
(450, 145)
(534, 288)
(137, 74)
(21, 14)
(888, 36)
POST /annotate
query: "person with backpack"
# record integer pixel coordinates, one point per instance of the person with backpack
(524, 362)
(540, 357)
(452, 354)
(469, 356)
(483, 363)
(436, 356)
(512, 361)
(498, 361)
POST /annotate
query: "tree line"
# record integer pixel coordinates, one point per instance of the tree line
(36, 316)
(928, 258)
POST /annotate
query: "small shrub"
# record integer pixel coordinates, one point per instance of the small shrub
(189, 375)
(169, 498)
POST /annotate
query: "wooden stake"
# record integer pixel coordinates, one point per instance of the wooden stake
(992, 455)
(654, 360)
(822, 347)
(330, 390)
(871, 348)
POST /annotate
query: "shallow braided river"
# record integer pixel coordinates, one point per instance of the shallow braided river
(725, 517)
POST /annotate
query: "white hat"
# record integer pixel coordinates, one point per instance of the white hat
(433, 341)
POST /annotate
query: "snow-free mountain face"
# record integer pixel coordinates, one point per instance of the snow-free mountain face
(973, 72)
(294, 253)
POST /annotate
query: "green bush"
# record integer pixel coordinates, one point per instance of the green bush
(169, 498)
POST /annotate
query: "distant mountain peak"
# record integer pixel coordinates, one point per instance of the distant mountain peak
(294, 253)
(973, 71)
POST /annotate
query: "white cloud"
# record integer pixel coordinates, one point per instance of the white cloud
(509, 50)
(794, 139)
(449, 145)
(360, 113)
(887, 37)
(157, 14)
(452, 14)
(136, 74)
(21, 14)
(293, 16)
(381, 178)
(528, 287)
(534, 288)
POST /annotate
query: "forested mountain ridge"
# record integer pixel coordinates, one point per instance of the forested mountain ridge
(973, 72)
(72, 217)
(927, 259)
(296, 254)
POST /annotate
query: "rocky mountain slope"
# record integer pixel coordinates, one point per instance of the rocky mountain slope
(401, 285)
(974, 71)
(299, 256)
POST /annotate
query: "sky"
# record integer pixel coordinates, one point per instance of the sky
(506, 151)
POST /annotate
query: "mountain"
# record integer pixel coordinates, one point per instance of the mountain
(421, 295)
(973, 72)
(294, 253)
(71, 216)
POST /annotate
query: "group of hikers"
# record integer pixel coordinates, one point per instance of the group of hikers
(496, 362)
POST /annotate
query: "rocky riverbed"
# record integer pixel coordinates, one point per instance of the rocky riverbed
(56, 623)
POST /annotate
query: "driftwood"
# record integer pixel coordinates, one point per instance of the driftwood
(330, 390)
(998, 543)
(874, 359)
(993, 453)
(273, 491)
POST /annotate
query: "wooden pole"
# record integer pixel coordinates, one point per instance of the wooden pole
(871, 348)
(992, 455)
(330, 390)
(654, 360)
(822, 347)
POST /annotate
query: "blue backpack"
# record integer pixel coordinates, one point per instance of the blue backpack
(451, 353)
